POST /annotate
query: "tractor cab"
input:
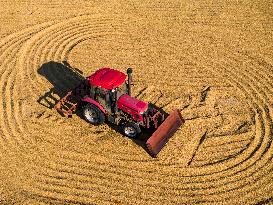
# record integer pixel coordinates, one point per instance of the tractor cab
(106, 87)
(109, 88)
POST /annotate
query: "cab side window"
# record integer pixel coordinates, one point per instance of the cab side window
(120, 92)
(101, 93)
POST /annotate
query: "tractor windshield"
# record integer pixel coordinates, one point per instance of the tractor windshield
(121, 90)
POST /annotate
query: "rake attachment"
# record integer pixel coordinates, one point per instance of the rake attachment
(69, 103)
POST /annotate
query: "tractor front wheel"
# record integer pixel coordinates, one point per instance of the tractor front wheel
(131, 130)
(93, 114)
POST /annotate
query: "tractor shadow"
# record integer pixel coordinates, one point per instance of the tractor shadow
(64, 78)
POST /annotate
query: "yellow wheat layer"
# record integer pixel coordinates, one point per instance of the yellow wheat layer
(212, 60)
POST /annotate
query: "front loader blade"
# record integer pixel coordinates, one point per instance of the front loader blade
(164, 132)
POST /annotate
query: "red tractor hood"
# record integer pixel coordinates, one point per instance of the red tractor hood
(126, 102)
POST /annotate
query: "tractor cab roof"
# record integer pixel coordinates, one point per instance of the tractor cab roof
(107, 78)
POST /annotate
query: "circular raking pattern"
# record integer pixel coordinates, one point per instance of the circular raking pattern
(68, 160)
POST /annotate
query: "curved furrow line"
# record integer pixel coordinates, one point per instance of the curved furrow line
(10, 99)
(65, 47)
(10, 46)
(19, 107)
(41, 39)
(257, 78)
(254, 73)
(7, 64)
(263, 165)
(8, 80)
(242, 88)
(45, 39)
(204, 163)
(135, 163)
(6, 129)
(262, 71)
(10, 40)
(247, 186)
(256, 92)
(12, 110)
(7, 44)
(78, 27)
(69, 31)
(216, 158)
(79, 36)
(101, 164)
(79, 164)
(211, 140)
(90, 176)
(239, 175)
(59, 41)
(69, 174)
(64, 78)
(85, 188)
(56, 194)
(226, 147)
(87, 173)
(269, 130)
(235, 74)
(104, 167)
(16, 107)
(60, 32)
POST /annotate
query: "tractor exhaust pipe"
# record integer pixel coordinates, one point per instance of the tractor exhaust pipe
(129, 83)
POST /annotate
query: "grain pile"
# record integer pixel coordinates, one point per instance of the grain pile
(212, 60)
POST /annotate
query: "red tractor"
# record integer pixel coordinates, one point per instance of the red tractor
(106, 96)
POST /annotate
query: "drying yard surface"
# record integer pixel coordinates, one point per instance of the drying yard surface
(211, 59)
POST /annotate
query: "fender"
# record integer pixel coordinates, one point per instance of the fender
(90, 100)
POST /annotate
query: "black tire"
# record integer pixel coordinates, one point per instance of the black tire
(131, 130)
(93, 114)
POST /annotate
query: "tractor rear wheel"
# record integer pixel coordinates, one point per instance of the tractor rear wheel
(93, 114)
(131, 130)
